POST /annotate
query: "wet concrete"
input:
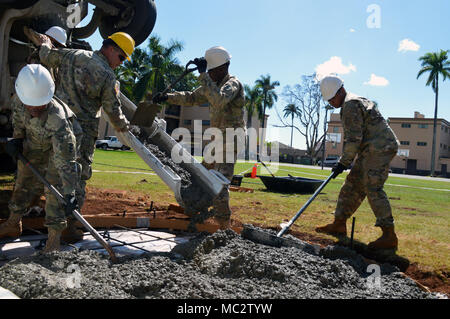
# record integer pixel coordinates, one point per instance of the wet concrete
(221, 265)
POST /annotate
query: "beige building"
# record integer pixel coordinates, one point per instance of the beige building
(416, 139)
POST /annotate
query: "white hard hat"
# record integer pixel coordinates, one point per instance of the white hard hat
(34, 85)
(329, 86)
(216, 56)
(57, 33)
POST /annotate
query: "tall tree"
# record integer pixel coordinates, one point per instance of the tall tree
(292, 111)
(269, 96)
(308, 103)
(436, 63)
(163, 66)
(253, 102)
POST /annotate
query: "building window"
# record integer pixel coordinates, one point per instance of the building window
(335, 129)
(187, 122)
(206, 122)
(404, 142)
(421, 143)
(406, 125)
(423, 125)
(446, 130)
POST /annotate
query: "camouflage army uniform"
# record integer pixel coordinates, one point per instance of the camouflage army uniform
(368, 137)
(86, 83)
(226, 101)
(50, 146)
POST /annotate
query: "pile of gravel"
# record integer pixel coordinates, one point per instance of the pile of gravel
(221, 265)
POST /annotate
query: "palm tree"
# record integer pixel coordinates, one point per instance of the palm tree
(292, 111)
(253, 102)
(163, 63)
(268, 92)
(435, 63)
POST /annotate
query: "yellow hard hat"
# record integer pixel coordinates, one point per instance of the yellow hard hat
(124, 41)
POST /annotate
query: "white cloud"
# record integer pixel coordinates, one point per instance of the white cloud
(377, 81)
(334, 65)
(408, 45)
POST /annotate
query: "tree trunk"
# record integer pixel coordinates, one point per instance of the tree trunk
(433, 149)
(292, 129)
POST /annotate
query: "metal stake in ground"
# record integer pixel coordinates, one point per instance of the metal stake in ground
(353, 230)
(76, 214)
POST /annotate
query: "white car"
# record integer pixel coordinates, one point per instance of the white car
(330, 161)
(111, 142)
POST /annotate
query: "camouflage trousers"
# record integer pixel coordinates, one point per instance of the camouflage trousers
(27, 187)
(367, 178)
(86, 155)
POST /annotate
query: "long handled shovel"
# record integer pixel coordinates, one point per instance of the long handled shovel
(146, 112)
(267, 238)
(76, 214)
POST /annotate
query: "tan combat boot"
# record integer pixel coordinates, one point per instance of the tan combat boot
(53, 241)
(71, 234)
(12, 227)
(387, 241)
(338, 227)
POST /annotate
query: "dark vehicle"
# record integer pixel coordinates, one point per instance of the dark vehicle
(136, 17)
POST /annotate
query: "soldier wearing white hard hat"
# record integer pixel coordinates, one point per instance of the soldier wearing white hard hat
(225, 95)
(44, 133)
(370, 144)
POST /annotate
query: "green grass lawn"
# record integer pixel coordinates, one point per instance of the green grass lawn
(421, 208)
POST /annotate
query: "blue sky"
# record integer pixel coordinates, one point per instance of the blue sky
(374, 45)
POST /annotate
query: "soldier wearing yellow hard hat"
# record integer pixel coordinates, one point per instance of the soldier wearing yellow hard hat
(87, 83)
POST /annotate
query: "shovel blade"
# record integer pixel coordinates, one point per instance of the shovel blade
(145, 115)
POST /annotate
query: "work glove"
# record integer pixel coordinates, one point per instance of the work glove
(201, 64)
(338, 169)
(159, 98)
(14, 147)
(71, 204)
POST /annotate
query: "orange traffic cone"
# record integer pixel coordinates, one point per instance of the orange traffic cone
(255, 167)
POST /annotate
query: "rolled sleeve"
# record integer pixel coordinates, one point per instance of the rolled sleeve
(111, 104)
(219, 96)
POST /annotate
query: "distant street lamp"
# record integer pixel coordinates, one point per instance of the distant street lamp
(327, 107)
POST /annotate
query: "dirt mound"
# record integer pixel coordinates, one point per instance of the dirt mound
(222, 265)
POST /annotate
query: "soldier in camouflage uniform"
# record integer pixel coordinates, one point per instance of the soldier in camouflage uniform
(87, 83)
(225, 95)
(368, 137)
(46, 134)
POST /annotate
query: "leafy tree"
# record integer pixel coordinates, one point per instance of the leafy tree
(436, 63)
(267, 87)
(307, 104)
(152, 69)
(253, 102)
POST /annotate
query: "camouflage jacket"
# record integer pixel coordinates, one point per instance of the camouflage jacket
(365, 129)
(226, 100)
(86, 82)
(52, 132)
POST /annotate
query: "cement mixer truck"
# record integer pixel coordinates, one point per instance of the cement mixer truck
(136, 17)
